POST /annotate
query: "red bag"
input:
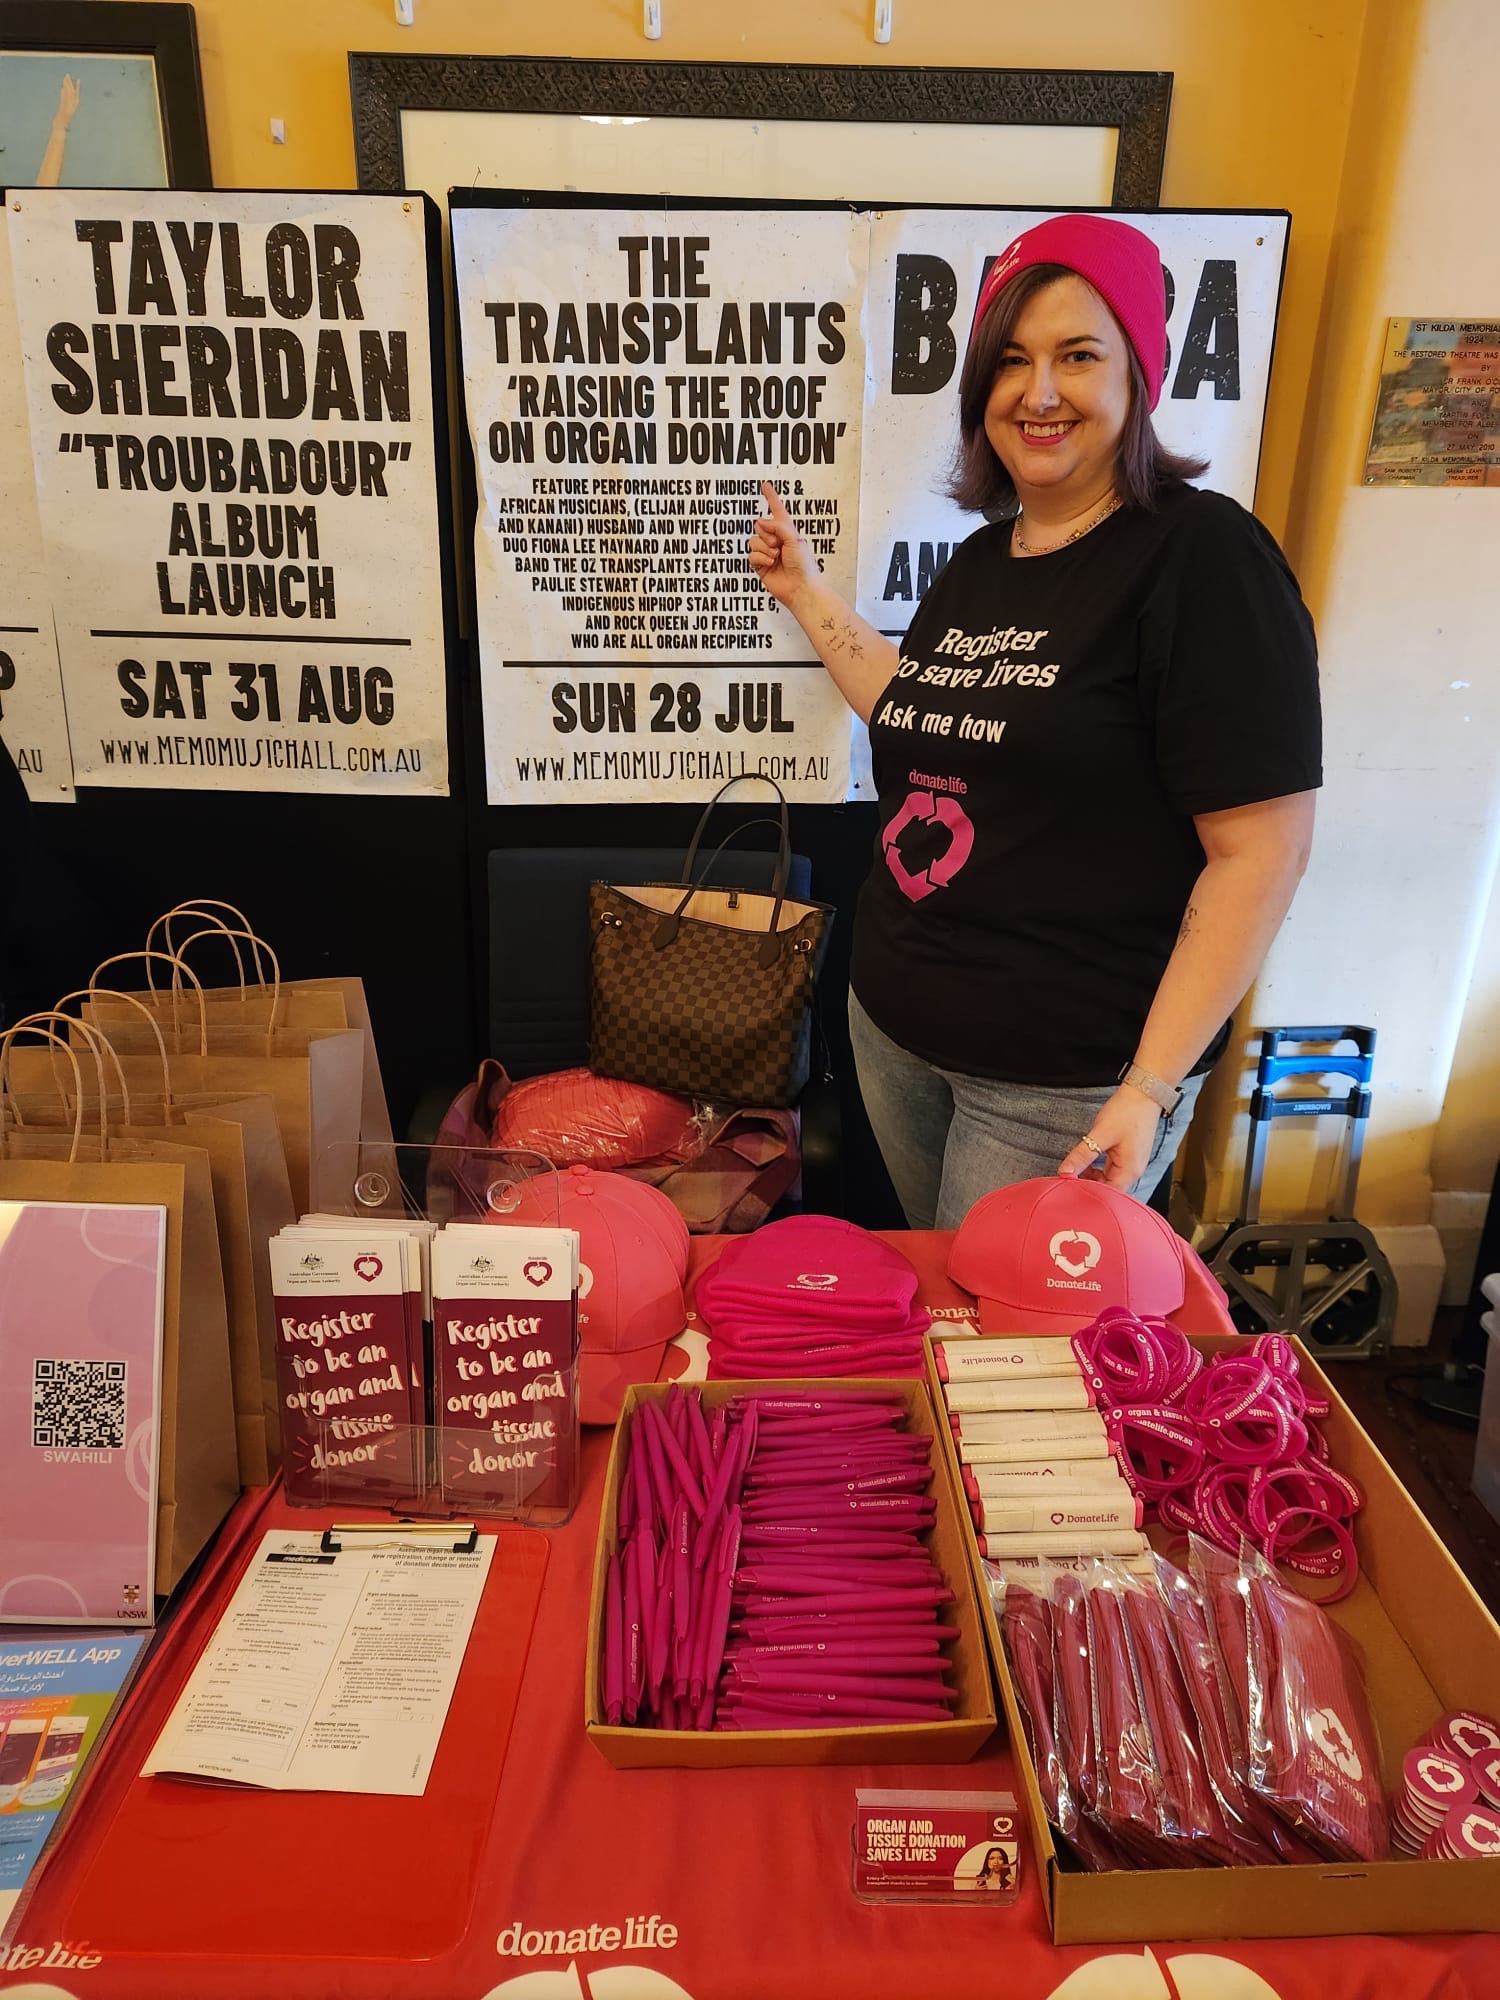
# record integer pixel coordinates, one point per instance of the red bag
(1313, 1753)
(1218, 1578)
(1026, 1629)
(723, 1168)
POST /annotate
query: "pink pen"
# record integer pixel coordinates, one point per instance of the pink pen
(656, 1458)
(718, 1428)
(718, 1499)
(819, 1681)
(806, 1505)
(808, 1537)
(682, 1422)
(641, 1557)
(772, 1603)
(847, 1660)
(702, 1450)
(904, 1479)
(774, 1405)
(676, 1458)
(646, 1515)
(703, 1597)
(661, 1625)
(718, 1624)
(635, 1658)
(815, 1423)
(682, 1601)
(853, 1712)
(614, 1654)
(823, 1702)
(801, 1581)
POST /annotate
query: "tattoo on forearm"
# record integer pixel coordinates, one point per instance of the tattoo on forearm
(1187, 921)
(837, 637)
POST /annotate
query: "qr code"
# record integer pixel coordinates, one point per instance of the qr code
(78, 1405)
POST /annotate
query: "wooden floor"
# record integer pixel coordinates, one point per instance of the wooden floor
(1433, 1459)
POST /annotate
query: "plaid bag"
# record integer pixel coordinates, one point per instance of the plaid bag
(706, 991)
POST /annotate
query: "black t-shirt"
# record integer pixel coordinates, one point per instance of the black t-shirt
(1054, 725)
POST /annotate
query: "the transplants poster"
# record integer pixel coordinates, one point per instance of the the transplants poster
(632, 376)
(630, 382)
(231, 414)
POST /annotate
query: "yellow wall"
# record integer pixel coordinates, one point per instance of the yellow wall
(1262, 96)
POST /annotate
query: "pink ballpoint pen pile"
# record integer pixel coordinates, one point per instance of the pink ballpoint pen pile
(771, 1570)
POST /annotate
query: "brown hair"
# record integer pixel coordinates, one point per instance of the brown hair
(978, 481)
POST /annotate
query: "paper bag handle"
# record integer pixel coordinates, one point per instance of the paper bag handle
(178, 967)
(260, 946)
(205, 908)
(31, 1024)
(113, 993)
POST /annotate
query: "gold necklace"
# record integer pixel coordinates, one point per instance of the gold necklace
(1111, 506)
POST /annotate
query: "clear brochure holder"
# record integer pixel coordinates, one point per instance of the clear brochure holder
(491, 1367)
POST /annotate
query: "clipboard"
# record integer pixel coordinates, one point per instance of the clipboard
(168, 1869)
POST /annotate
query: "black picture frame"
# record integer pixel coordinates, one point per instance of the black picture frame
(165, 30)
(1133, 102)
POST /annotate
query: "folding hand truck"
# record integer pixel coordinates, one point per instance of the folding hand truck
(1330, 1282)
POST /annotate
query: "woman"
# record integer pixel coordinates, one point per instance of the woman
(1095, 756)
(995, 1874)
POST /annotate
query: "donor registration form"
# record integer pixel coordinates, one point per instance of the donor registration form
(330, 1671)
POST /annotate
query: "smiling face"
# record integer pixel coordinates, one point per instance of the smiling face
(1061, 394)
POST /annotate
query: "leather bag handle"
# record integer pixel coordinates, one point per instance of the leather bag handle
(770, 949)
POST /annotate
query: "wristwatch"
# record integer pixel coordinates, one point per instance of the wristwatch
(1167, 1095)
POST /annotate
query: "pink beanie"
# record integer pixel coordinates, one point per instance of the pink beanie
(1122, 265)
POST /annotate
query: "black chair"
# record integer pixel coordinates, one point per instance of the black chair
(538, 1009)
(539, 937)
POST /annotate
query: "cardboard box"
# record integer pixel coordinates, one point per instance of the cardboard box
(974, 1718)
(1428, 1644)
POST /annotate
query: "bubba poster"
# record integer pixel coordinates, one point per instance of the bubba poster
(232, 412)
(630, 379)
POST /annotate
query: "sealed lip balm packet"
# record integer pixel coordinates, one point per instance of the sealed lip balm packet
(936, 1847)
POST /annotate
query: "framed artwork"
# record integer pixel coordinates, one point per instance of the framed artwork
(820, 132)
(101, 93)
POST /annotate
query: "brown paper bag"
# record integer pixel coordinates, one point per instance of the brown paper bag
(316, 1093)
(252, 1203)
(196, 1465)
(329, 1002)
(198, 1461)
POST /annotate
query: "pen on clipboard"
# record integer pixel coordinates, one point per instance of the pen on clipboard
(461, 1537)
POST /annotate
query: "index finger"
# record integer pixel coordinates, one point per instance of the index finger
(775, 502)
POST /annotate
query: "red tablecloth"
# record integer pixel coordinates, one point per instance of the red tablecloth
(730, 1885)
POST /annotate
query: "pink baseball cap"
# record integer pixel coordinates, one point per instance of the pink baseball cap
(633, 1254)
(1046, 1256)
(1121, 263)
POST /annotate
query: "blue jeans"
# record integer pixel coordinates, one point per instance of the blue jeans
(947, 1138)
